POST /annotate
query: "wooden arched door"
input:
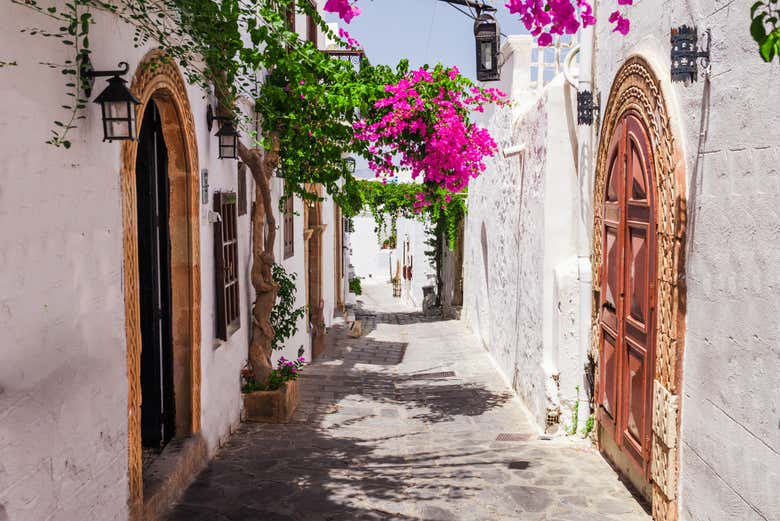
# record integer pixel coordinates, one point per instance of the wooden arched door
(627, 302)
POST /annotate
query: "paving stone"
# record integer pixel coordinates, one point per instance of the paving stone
(371, 442)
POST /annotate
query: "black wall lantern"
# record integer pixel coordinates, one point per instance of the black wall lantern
(586, 107)
(487, 35)
(227, 135)
(685, 53)
(116, 101)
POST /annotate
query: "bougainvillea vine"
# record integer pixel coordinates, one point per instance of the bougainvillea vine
(423, 125)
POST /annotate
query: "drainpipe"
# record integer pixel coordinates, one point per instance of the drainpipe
(585, 216)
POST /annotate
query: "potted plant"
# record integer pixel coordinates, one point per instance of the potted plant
(275, 400)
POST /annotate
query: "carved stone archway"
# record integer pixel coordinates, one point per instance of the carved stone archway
(637, 88)
(160, 80)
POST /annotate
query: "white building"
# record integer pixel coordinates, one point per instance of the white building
(673, 203)
(79, 281)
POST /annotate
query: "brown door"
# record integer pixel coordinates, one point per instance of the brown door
(627, 302)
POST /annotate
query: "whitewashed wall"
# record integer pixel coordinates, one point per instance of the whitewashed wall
(730, 447)
(370, 261)
(63, 384)
(520, 248)
(373, 264)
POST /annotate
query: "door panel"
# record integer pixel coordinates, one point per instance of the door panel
(627, 297)
(154, 276)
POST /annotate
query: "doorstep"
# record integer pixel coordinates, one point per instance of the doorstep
(171, 473)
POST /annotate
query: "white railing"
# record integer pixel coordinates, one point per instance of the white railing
(547, 62)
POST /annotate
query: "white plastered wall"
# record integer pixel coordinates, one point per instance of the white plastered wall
(63, 383)
(520, 246)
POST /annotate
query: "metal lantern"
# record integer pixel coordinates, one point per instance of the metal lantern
(685, 53)
(227, 134)
(116, 101)
(228, 141)
(487, 35)
(351, 164)
(587, 107)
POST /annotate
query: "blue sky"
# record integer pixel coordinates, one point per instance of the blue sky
(425, 31)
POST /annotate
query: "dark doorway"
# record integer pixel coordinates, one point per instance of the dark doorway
(154, 270)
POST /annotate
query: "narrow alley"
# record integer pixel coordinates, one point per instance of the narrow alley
(409, 421)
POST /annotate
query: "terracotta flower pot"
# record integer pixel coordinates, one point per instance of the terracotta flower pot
(272, 406)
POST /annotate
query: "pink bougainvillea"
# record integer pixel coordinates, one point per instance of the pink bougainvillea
(347, 38)
(543, 18)
(346, 10)
(422, 124)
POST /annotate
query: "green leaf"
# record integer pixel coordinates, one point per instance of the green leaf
(768, 48)
(757, 29)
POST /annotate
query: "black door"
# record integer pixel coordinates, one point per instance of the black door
(154, 267)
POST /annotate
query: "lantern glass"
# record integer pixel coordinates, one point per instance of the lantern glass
(486, 52)
(118, 120)
(227, 147)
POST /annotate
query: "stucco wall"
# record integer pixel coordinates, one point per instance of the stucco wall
(63, 375)
(373, 264)
(520, 258)
(369, 260)
(730, 440)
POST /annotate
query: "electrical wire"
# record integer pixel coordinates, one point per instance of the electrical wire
(473, 17)
(430, 32)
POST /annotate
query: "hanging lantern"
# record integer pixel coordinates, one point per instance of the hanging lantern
(227, 134)
(116, 101)
(228, 141)
(487, 35)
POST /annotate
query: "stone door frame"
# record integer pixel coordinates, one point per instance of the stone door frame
(159, 79)
(636, 88)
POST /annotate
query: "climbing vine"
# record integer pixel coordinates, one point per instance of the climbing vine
(284, 315)
(765, 28)
(393, 200)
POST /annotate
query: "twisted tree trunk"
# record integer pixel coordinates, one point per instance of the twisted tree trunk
(262, 168)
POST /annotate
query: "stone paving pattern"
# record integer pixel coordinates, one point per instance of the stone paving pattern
(379, 436)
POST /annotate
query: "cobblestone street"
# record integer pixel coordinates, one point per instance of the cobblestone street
(405, 423)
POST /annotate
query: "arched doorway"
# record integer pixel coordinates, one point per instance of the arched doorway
(627, 303)
(163, 162)
(638, 284)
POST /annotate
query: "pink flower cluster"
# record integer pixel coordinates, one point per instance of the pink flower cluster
(622, 24)
(290, 365)
(344, 8)
(346, 37)
(543, 18)
(423, 124)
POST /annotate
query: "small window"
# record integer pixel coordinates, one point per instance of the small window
(311, 28)
(228, 311)
(289, 235)
(290, 16)
(241, 184)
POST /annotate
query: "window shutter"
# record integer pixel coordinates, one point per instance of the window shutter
(289, 235)
(241, 183)
(226, 265)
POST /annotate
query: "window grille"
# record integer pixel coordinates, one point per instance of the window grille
(228, 310)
